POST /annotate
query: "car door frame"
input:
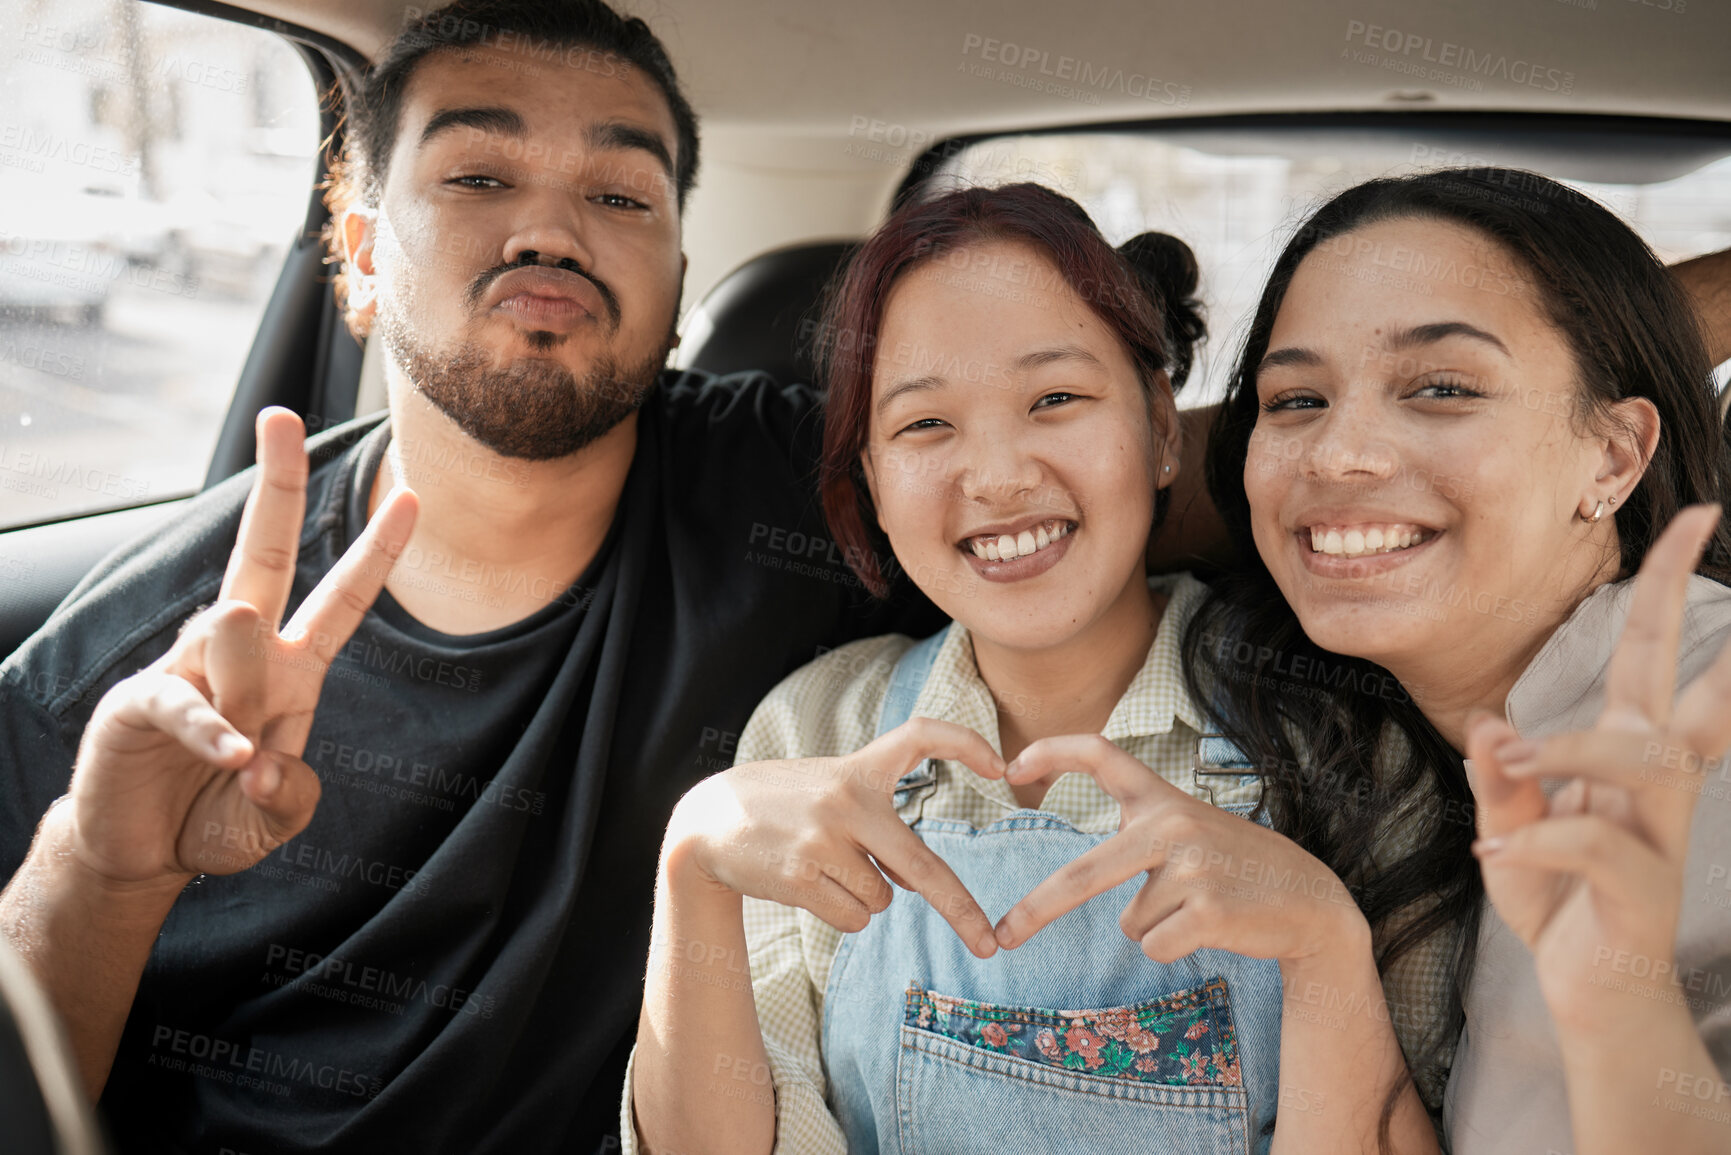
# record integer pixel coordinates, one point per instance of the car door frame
(302, 358)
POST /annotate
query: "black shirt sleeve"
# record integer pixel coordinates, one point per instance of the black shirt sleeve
(745, 437)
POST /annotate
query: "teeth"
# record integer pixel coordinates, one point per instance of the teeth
(1005, 547)
(1363, 542)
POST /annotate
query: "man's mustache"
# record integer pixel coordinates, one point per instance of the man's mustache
(478, 288)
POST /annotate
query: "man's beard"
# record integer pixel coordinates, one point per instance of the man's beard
(534, 408)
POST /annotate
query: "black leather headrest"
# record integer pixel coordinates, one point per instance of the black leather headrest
(764, 314)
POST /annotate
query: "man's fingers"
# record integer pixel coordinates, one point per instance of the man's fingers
(284, 790)
(278, 794)
(261, 568)
(339, 602)
(1642, 674)
(920, 738)
(1500, 801)
(1118, 774)
(238, 645)
(902, 851)
(1092, 873)
(157, 702)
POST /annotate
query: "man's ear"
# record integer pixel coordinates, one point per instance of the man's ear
(1628, 446)
(359, 227)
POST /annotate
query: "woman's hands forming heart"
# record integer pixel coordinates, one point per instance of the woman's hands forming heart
(1214, 878)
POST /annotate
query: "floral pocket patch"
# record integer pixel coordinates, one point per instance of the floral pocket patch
(1181, 1039)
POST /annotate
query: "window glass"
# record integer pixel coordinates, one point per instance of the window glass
(1236, 196)
(154, 167)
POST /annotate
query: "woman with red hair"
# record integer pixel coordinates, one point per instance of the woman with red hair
(1001, 427)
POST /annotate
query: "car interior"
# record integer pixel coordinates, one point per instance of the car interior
(1220, 123)
(162, 276)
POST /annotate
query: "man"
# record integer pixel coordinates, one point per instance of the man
(430, 933)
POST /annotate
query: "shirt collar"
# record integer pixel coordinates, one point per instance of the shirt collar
(1563, 686)
(1157, 696)
(1154, 700)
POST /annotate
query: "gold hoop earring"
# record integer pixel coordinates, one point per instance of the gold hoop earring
(1598, 512)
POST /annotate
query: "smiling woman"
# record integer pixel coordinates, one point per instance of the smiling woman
(1001, 411)
(1451, 479)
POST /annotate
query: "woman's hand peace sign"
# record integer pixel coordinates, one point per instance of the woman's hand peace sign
(1591, 875)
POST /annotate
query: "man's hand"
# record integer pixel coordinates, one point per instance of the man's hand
(193, 764)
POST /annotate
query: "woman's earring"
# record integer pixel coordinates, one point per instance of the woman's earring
(1598, 512)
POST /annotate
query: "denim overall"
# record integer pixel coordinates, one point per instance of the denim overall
(1073, 1041)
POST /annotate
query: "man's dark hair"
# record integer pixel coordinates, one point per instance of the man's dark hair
(543, 34)
(546, 33)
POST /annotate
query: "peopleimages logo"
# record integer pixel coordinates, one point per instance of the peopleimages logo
(1411, 52)
(1066, 76)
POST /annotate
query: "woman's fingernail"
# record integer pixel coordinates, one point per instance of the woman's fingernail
(1485, 847)
(230, 745)
(987, 946)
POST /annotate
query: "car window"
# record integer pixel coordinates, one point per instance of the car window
(1235, 196)
(154, 166)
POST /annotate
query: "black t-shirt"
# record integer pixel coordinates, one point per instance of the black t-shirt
(449, 957)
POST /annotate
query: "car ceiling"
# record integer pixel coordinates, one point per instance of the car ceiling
(789, 90)
(812, 65)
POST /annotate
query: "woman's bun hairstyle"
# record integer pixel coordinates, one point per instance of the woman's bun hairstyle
(1168, 272)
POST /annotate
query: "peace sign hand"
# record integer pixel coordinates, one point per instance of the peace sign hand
(1594, 872)
(193, 764)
